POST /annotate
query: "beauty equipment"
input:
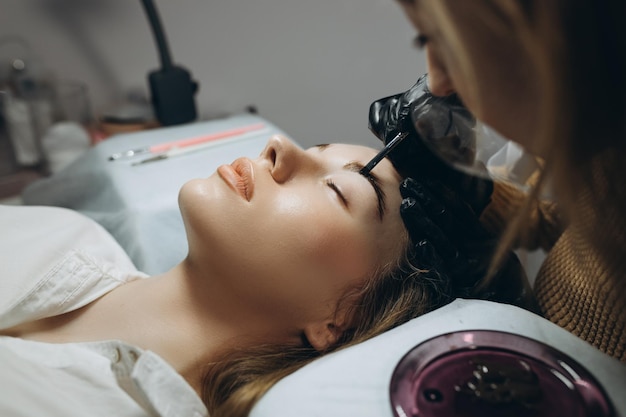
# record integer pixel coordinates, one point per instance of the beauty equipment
(493, 373)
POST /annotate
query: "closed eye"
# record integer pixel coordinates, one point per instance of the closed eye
(374, 181)
(336, 189)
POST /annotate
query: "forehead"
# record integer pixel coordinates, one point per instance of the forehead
(343, 153)
(356, 152)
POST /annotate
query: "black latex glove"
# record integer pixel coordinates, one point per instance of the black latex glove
(432, 123)
(449, 239)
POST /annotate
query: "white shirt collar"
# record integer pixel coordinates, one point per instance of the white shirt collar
(150, 381)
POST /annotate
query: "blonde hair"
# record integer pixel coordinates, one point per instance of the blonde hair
(390, 297)
(578, 49)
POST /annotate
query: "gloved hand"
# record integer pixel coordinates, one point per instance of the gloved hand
(448, 239)
(440, 132)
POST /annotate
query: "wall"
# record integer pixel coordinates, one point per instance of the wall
(310, 67)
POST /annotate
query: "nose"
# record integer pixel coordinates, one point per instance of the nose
(439, 82)
(285, 158)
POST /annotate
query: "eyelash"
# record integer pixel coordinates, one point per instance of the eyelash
(420, 41)
(334, 187)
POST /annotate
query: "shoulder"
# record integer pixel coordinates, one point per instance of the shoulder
(34, 239)
(40, 219)
(55, 229)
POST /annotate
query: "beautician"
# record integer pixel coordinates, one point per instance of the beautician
(548, 75)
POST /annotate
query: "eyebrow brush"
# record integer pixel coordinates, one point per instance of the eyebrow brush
(383, 153)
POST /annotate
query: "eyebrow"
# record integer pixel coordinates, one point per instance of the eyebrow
(373, 179)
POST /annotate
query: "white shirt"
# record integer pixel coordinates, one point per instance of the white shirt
(53, 261)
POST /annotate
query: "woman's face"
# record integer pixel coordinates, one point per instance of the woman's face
(504, 93)
(290, 231)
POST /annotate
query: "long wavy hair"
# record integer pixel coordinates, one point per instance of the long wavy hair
(578, 49)
(392, 296)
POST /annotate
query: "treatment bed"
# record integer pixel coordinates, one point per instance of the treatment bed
(383, 377)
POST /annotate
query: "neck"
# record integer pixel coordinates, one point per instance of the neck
(181, 316)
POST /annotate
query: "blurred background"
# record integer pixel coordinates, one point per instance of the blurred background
(310, 67)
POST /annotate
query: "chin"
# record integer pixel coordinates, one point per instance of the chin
(199, 189)
(187, 194)
(196, 197)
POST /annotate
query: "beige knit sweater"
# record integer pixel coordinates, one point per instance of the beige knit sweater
(579, 287)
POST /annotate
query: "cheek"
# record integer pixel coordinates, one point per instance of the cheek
(343, 250)
(323, 235)
(329, 262)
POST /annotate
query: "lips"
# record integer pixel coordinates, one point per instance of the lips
(240, 176)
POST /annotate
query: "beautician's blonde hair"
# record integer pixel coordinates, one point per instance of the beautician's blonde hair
(578, 49)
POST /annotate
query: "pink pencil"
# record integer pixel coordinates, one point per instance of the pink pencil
(183, 143)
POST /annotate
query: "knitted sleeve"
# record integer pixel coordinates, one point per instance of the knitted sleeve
(541, 230)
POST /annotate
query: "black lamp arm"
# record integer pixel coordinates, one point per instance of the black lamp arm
(171, 86)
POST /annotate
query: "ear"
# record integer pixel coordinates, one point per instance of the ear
(323, 335)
